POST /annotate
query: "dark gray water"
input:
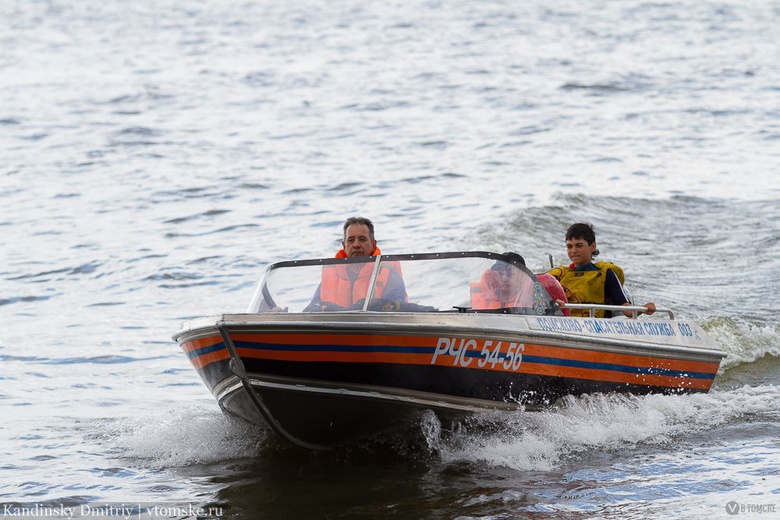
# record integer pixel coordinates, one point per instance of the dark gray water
(155, 158)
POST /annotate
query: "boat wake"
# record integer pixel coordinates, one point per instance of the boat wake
(590, 425)
(576, 428)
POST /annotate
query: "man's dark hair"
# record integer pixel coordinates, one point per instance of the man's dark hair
(361, 221)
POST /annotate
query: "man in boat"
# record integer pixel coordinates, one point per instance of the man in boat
(345, 286)
(587, 282)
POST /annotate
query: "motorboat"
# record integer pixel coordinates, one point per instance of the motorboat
(328, 352)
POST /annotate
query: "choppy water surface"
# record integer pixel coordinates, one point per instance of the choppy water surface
(154, 159)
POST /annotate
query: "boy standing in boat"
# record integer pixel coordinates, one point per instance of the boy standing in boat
(587, 282)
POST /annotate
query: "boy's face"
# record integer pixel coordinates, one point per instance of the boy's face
(579, 251)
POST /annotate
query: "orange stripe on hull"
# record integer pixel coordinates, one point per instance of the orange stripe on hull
(201, 343)
(633, 360)
(212, 357)
(368, 341)
(207, 357)
(612, 376)
(328, 338)
(324, 348)
(339, 357)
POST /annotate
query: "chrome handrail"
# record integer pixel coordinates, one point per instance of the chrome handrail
(636, 309)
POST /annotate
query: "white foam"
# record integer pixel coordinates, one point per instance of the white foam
(184, 436)
(743, 341)
(541, 441)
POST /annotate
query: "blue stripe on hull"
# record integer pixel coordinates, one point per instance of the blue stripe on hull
(589, 365)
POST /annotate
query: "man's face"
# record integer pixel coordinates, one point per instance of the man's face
(357, 241)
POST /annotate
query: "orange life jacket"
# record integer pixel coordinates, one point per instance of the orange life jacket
(345, 285)
(485, 293)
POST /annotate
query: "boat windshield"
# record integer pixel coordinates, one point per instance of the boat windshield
(431, 282)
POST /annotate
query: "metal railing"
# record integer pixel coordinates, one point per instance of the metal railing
(635, 309)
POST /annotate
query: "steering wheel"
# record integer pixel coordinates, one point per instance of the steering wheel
(326, 306)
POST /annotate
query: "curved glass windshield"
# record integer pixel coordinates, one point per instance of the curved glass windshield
(431, 282)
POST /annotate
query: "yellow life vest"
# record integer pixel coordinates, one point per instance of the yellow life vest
(586, 286)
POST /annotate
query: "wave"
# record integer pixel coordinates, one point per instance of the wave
(745, 342)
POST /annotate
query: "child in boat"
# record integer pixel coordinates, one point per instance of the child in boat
(587, 282)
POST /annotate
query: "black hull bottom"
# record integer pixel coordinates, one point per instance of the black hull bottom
(320, 416)
(330, 421)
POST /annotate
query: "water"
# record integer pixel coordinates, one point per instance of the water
(154, 159)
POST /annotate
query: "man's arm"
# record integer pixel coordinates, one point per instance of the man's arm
(315, 305)
(396, 288)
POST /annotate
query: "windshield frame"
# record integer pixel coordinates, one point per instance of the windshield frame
(263, 298)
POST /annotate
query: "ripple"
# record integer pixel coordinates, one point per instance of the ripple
(157, 157)
(138, 131)
(87, 268)
(174, 276)
(100, 360)
(25, 299)
(210, 213)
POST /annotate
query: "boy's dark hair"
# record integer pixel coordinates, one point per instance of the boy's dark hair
(583, 231)
(361, 221)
